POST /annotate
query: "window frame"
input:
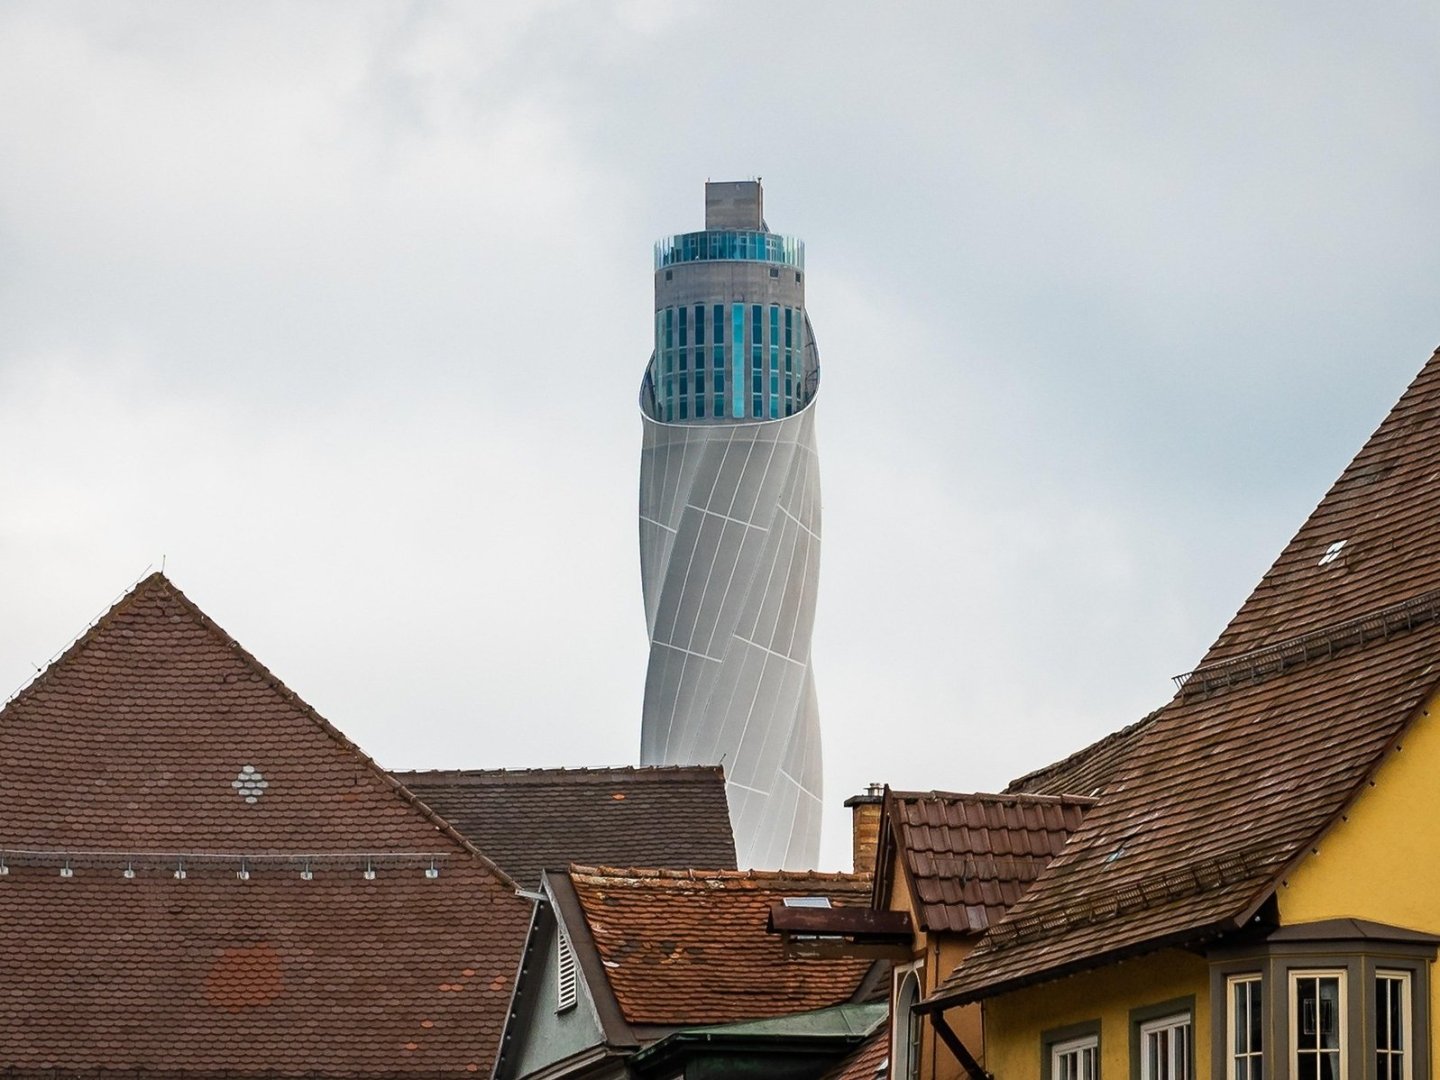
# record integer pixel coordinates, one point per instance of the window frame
(1292, 997)
(1067, 1039)
(1231, 1052)
(1076, 1046)
(1174, 1023)
(1408, 1052)
(1360, 950)
(906, 1024)
(1148, 1015)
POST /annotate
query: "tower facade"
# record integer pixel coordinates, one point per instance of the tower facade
(730, 524)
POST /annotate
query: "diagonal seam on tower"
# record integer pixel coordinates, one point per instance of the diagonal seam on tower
(730, 524)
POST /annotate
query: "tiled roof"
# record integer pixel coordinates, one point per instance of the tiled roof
(156, 741)
(529, 820)
(869, 1061)
(1226, 787)
(970, 857)
(690, 947)
(1088, 770)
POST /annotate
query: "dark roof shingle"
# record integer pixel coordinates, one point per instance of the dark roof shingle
(529, 820)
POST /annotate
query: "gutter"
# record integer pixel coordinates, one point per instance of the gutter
(936, 1003)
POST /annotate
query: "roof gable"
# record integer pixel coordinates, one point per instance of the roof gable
(155, 915)
(530, 820)
(1233, 780)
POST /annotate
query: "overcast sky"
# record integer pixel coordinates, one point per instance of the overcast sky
(342, 309)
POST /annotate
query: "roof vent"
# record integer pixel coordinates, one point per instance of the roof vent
(1332, 553)
(565, 977)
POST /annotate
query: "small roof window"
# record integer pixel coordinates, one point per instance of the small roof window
(1332, 553)
(807, 901)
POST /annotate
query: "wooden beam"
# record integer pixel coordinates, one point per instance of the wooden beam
(950, 1039)
(858, 922)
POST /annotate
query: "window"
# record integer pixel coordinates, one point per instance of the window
(757, 361)
(905, 1037)
(737, 360)
(1244, 1029)
(1325, 1000)
(774, 361)
(1165, 1048)
(1317, 1029)
(1392, 1025)
(565, 992)
(1076, 1059)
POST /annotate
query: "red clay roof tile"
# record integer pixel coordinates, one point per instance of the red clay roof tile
(690, 947)
(143, 747)
(970, 856)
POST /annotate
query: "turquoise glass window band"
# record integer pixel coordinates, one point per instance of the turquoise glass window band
(731, 245)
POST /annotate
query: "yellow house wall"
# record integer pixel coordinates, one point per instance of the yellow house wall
(1383, 861)
(1014, 1023)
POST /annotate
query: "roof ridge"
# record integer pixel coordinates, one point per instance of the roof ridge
(1085, 751)
(540, 773)
(996, 796)
(660, 873)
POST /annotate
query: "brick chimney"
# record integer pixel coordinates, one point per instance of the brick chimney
(865, 826)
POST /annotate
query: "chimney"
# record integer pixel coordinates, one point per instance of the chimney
(865, 826)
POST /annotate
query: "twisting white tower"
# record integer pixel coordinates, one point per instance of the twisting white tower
(730, 524)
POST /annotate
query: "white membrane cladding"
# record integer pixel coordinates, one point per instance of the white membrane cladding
(729, 562)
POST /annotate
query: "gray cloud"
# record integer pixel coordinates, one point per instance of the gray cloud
(343, 308)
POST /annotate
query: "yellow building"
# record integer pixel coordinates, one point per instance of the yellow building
(1256, 892)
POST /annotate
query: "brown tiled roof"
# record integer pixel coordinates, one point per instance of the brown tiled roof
(868, 1061)
(1088, 770)
(969, 857)
(529, 820)
(690, 947)
(131, 751)
(1228, 786)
